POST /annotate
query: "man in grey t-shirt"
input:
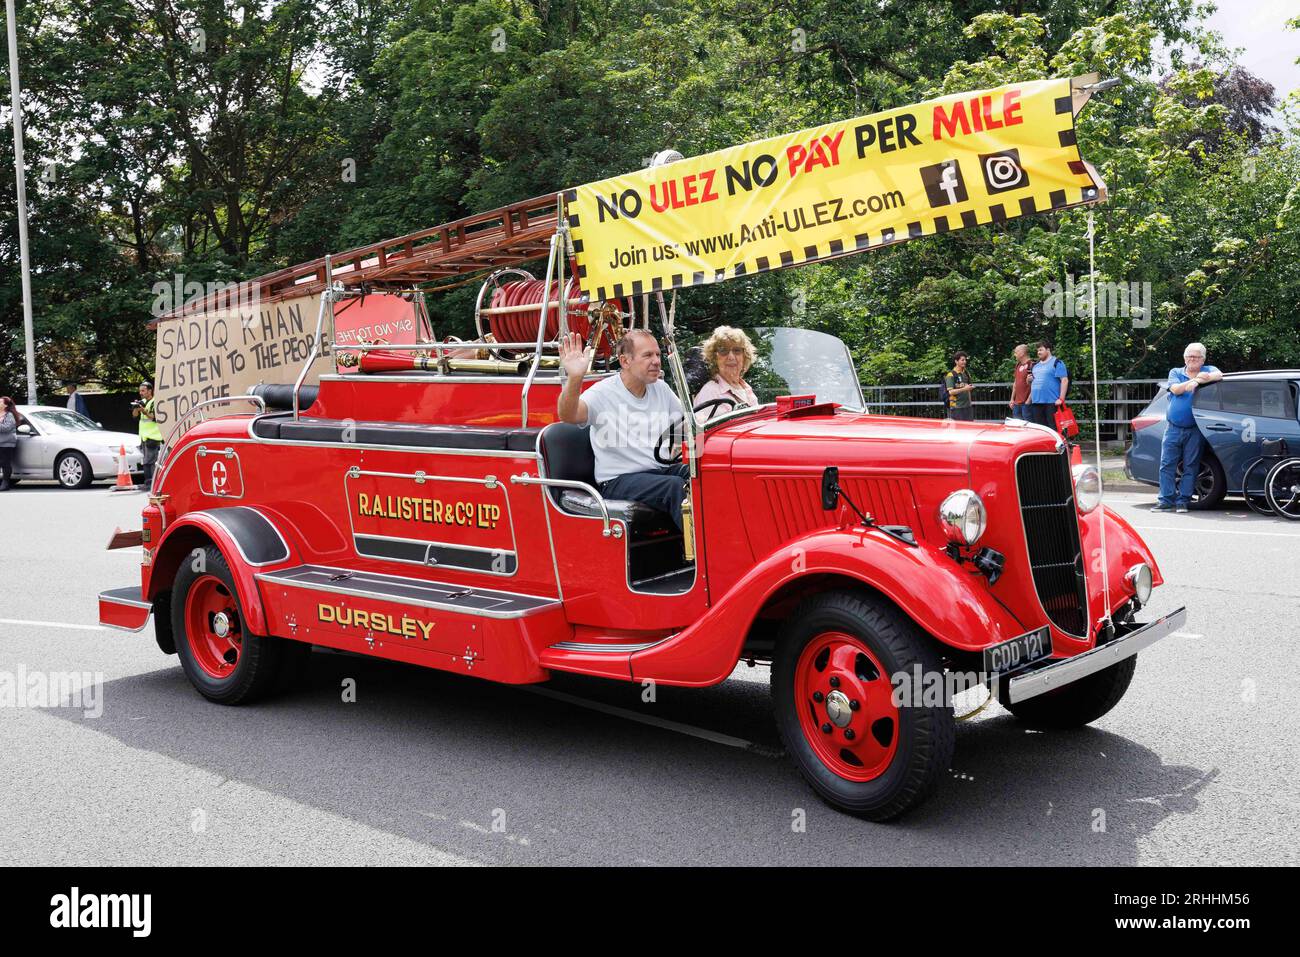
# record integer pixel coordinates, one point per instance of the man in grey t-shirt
(627, 413)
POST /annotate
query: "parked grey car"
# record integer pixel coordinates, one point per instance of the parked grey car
(59, 444)
(1235, 415)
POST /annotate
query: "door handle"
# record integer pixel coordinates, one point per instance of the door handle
(1218, 428)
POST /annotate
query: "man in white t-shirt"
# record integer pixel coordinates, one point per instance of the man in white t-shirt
(627, 413)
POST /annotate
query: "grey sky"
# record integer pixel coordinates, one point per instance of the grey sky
(1268, 48)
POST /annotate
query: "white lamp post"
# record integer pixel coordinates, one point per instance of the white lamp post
(20, 177)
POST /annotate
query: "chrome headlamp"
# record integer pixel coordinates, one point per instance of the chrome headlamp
(963, 517)
(1140, 580)
(1087, 487)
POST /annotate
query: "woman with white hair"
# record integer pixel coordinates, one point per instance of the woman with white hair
(729, 354)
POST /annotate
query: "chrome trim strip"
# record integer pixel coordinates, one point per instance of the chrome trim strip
(343, 587)
(109, 595)
(611, 529)
(435, 449)
(592, 647)
(258, 512)
(1066, 670)
(561, 294)
(326, 305)
(428, 547)
(546, 513)
(1060, 442)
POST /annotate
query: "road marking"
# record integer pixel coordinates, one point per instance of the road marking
(51, 624)
(715, 736)
(1217, 531)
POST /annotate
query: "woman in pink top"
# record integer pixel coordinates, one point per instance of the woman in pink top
(729, 354)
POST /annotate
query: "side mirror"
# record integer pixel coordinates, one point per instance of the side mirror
(25, 429)
(830, 488)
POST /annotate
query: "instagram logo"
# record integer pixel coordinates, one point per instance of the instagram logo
(1002, 171)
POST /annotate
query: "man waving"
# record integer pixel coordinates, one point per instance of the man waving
(627, 413)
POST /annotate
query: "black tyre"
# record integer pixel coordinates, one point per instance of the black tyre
(1283, 488)
(1080, 702)
(72, 470)
(1254, 488)
(162, 624)
(861, 750)
(223, 661)
(1211, 483)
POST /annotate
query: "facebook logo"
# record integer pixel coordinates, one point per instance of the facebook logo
(943, 183)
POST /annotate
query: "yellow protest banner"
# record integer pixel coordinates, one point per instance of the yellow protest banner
(941, 165)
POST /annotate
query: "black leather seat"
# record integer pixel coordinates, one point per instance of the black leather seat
(567, 454)
(279, 396)
(411, 435)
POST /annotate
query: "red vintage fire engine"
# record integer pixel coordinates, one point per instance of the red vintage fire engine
(428, 507)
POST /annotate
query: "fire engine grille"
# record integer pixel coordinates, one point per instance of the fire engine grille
(1052, 535)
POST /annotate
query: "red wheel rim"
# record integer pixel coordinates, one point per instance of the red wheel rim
(212, 626)
(839, 685)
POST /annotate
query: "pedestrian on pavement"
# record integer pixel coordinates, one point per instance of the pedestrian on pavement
(75, 402)
(1019, 402)
(1050, 381)
(9, 419)
(150, 433)
(1183, 442)
(958, 387)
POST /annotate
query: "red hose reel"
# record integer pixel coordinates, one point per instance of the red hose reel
(510, 320)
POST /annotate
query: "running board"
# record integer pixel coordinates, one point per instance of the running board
(611, 659)
(482, 602)
(124, 608)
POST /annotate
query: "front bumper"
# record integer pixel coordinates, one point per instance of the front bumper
(1062, 671)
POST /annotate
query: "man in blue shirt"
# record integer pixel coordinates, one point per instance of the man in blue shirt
(1183, 442)
(1047, 390)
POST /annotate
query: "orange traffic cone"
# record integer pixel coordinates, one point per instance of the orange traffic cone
(124, 483)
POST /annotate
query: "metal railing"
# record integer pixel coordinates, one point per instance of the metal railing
(1120, 400)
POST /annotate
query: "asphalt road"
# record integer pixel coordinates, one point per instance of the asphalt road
(1196, 765)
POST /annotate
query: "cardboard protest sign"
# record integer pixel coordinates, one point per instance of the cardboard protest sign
(224, 353)
(376, 317)
(941, 165)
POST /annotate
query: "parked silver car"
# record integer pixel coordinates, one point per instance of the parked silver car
(70, 448)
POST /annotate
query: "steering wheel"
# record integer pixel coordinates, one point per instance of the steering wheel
(668, 450)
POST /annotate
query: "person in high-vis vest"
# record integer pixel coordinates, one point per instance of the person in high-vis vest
(150, 432)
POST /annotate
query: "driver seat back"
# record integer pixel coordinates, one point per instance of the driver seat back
(567, 454)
